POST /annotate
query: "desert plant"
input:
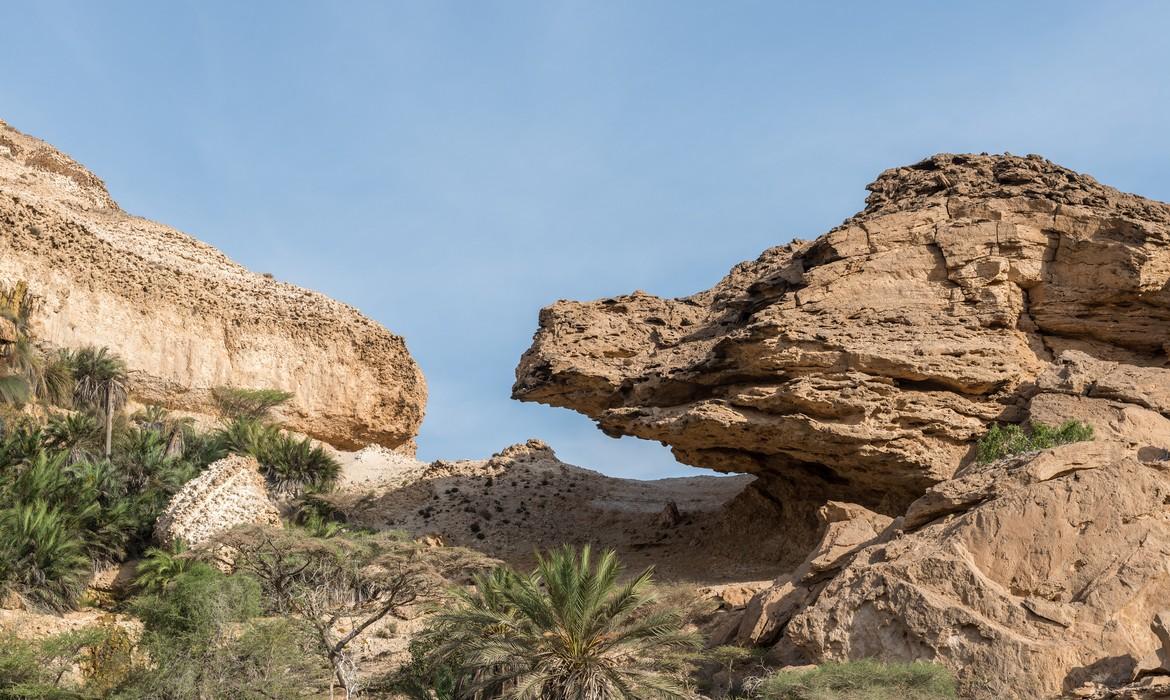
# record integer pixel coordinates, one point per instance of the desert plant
(235, 403)
(1007, 440)
(293, 465)
(247, 436)
(42, 556)
(203, 640)
(100, 384)
(39, 669)
(161, 566)
(568, 630)
(325, 581)
(860, 680)
(79, 434)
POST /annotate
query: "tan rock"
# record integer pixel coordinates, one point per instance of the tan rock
(1032, 583)
(185, 317)
(861, 367)
(230, 492)
(845, 529)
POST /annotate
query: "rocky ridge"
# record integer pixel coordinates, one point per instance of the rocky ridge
(524, 499)
(188, 319)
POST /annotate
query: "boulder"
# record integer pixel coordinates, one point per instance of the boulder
(185, 317)
(230, 492)
(1028, 577)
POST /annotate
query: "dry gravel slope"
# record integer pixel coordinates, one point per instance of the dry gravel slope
(524, 499)
(187, 318)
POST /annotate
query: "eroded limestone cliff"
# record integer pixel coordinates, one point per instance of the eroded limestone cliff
(862, 366)
(185, 317)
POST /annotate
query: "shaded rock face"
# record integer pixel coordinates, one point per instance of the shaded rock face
(185, 317)
(862, 366)
(228, 493)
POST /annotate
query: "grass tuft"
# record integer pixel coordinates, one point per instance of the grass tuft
(1007, 440)
(861, 680)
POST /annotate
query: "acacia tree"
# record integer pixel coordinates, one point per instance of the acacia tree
(101, 384)
(328, 582)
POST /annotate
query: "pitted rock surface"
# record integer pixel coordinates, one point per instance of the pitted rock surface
(863, 366)
(188, 319)
(230, 492)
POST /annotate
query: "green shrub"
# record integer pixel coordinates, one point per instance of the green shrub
(567, 630)
(860, 680)
(42, 556)
(257, 405)
(199, 604)
(293, 465)
(290, 465)
(203, 640)
(39, 669)
(160, 567)
(1007, 440)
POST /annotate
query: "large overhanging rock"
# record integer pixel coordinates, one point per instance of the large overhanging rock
(185, 317)
(862, 366)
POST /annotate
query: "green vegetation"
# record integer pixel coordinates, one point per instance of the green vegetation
(44, 669)
(99, 385)
(860, 680)
(569, 629)
(204, 639)
(1007, 440)
(254, 405)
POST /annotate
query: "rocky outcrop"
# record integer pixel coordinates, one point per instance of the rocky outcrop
(858, 371)
(185, 317)
(1027, 578)
(862, 366)
(230, 492)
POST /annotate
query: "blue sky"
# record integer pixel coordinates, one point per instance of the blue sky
(450, 168)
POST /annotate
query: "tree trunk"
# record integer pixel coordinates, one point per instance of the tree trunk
(109, 419)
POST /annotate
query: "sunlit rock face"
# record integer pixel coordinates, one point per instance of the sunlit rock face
(861, 366)
(185, 317)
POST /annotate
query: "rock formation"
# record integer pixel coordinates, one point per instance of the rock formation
(230, 492)
(862, 367)
(185, 317)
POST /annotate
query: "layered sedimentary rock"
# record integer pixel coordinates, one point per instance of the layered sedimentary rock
(230, 492)
(185, 317)
(862, 366)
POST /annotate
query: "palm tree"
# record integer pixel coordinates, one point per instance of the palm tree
(567, 631)
(41, 556)
(77, 434)
(101, 384)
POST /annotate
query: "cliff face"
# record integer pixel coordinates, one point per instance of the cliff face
(863, 365)
(185, 317)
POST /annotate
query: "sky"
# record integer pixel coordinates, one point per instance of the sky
(449, 168)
